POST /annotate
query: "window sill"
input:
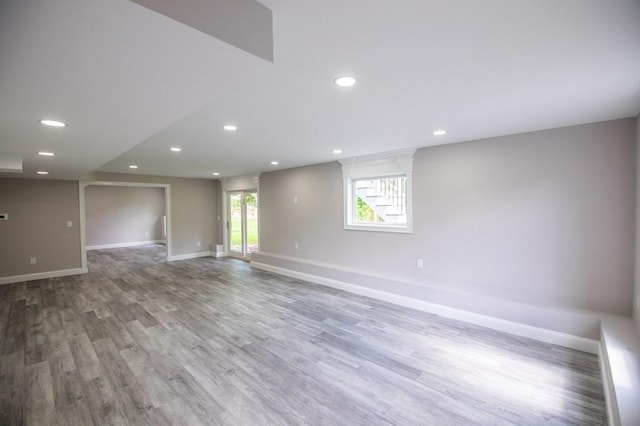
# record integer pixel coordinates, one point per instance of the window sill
(380, 228)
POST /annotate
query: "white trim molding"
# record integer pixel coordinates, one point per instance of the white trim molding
(517, 328)
(240, 183)
(192, 255)
(122, 245)
(40, 276)
(219, 251)
(384, 164)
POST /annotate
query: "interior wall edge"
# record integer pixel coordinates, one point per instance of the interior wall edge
(607, 385)
(569, 328)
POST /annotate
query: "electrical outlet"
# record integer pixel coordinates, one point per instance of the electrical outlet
(4, 216)
(146, 233)
(419, 263)
(69, 224)
(296, 245)
(198, 244)
(295, 199)
(33, 260)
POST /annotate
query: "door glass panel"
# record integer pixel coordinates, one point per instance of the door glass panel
(251, 199)
(235, 222)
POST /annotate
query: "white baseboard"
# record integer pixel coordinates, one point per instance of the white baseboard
(129, 244)
(198, 254)
(40, 276)
(524, 330)
(191, 255)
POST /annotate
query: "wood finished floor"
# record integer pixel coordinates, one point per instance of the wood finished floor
(212, 341)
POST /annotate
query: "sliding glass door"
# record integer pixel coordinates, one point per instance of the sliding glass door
(242, 223)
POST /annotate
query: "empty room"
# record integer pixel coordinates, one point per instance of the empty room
(243, 212)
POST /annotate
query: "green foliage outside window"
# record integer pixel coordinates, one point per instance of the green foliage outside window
(251, 201)
(364, 213)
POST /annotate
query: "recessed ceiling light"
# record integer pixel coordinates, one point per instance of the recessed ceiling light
(42, 172)
(230, 127)
(439, 132)
(345, 81)
(176, 149)
(274, 163)
(53, 123)
(216, 174)
(337, 151)
(46, 154)
(133, 166)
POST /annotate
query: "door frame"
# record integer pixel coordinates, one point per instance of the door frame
(83, 228)
(248, 183)
(244, 254)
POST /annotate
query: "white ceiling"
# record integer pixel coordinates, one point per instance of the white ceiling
(131, 83)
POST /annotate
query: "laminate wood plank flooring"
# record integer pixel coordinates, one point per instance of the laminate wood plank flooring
(138, 341)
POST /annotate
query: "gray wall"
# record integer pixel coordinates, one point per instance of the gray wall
(543, 218)
(40, 208)
(636, 305)
(119, 214)
(193, 210)
(37, 226)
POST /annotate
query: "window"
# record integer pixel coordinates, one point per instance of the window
(378, 193)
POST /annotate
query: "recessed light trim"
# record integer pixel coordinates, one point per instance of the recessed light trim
(176, 149)
(230, 127)
(439, 132)
(274, 163)
(133, 166)
(53, 123)
(46, 153)
(42, 172)
(345, 81)
(337, 151)
(215, 174)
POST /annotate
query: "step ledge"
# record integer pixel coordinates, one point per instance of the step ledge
(620, 367)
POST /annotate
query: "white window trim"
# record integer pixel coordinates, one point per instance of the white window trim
(377, 166)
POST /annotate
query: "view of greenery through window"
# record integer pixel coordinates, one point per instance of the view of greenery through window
(377, 195)
(380, 200)
(364, 213)
(252, 222)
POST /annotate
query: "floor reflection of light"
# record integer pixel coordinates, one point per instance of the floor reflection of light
(499, 375)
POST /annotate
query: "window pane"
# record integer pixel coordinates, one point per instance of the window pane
(235, 221)
(380, 200)
(252, 221)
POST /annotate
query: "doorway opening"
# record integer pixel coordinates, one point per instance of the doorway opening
(123, 217)
(242, 223)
